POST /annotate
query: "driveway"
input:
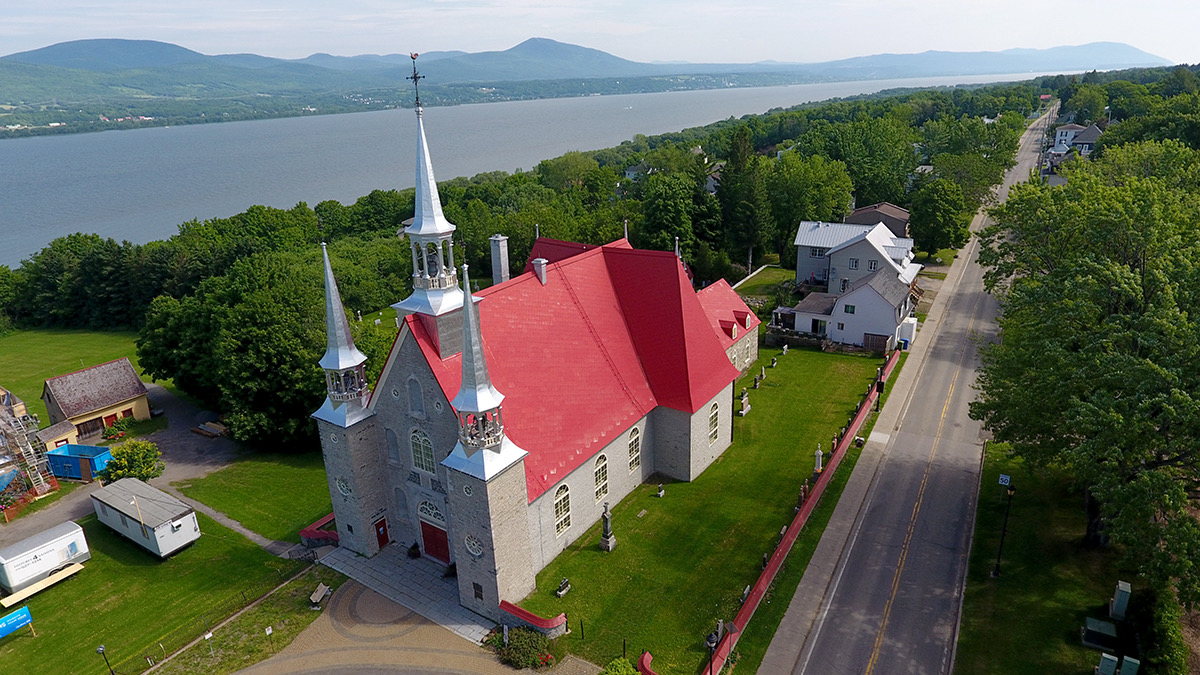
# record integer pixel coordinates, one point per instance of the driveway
(186, 455)
(361, 632)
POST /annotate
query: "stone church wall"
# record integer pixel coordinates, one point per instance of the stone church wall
(352, 455)
(585, 508)
(401, 413)
(682, 446)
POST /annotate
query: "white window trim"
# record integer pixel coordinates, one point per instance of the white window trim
(600, 473)
(562, 522)
(854, 263)
(872, 265)
(412, 447)
(635, 450)
(714, 423)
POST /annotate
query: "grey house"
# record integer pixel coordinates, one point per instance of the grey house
(149, 517)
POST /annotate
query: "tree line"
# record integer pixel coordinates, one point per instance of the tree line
(231, 308)
(1095, 370)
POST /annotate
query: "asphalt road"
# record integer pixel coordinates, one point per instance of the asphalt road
(892, 602)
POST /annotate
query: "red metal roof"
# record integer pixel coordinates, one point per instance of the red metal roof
(612, 333)
(721, 303)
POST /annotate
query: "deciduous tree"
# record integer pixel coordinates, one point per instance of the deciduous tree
(133, 459)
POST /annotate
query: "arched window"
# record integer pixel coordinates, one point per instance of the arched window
(635, 449)
(714, 422)
(429, 511)
(601, 473)
(393, 445)
(562, 509)
(422, 451)
(416, 401)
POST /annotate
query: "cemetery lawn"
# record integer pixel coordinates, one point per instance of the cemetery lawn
(275, 495)
(683, 564)
(29, 357)
(128, 600)
(1028, 620)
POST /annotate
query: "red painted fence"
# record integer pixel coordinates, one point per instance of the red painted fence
(759, 589)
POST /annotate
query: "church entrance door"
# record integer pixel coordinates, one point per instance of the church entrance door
(381, 533)
(437, 545)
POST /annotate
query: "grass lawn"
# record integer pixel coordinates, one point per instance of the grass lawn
(244, 642)
(1028, 620)
(129, 600)
(763, 283)
(683, 564)
(944, 256)
(29, 357)
(273, 495)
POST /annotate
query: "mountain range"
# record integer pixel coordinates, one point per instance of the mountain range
(92, 85)
(541, 58)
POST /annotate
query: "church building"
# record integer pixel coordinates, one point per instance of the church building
(504, 420)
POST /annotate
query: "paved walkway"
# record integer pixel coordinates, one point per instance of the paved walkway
(414, 583)
(363, 632)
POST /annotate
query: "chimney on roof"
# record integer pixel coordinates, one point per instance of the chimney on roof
(539, 268)
(500, 272)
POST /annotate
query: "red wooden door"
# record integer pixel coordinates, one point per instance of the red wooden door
(437, 546)
(381, 533)
(110, 420)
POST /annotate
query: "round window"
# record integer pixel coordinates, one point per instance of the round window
(467, 490)
(437, 405)
(343, 487)
(474, 546)
(396, 394)
(333, 437)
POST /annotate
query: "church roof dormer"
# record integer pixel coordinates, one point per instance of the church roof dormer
(476, 393)
(428, 219)
(340, 352)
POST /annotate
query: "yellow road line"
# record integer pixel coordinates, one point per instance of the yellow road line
(912, 521)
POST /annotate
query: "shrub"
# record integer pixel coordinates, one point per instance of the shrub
(1168, 651)
(525, 648)
(620, 667)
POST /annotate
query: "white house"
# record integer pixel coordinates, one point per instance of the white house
(1065, 134)
(843, 253)
(869, 314)
(151, 518)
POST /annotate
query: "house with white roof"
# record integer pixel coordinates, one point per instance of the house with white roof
(871, 280)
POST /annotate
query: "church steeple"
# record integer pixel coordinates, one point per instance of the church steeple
(430, 235)
(345, 379)
(483, 449)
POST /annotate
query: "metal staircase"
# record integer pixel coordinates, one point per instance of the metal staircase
(31, 456)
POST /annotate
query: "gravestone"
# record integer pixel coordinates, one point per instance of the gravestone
(757, 380)
(563, 587)
(608, 541)
(817, 456)
(762, 372)
(1119, 602)
(774, 361)
(661, 491)
(785, 347)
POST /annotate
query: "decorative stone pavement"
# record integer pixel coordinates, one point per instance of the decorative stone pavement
(416, 583)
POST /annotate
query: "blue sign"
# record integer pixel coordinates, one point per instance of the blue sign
(1004, 479)
(14, 621)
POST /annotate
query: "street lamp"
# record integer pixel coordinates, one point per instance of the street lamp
(100, 651)
(711, 641)
(1003, 530)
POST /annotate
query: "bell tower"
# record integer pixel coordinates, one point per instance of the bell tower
(436, 297)
(487, 495)
(349, 433)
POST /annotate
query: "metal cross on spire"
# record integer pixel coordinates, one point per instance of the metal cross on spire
(415, 77)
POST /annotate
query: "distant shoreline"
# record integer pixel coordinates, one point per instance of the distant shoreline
(460, 94)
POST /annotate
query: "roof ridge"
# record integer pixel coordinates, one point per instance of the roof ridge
(123, 358)
(591, 328)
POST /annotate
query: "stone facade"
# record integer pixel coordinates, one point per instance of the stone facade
(357, 484)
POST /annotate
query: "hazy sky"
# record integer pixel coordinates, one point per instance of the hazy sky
(642, 30)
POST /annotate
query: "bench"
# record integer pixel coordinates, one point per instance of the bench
(318, 595)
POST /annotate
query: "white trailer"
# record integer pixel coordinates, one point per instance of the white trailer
(31, 560)
(147, 516)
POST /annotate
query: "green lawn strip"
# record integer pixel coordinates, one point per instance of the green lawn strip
(129, 600)
(64, 488)
(29, 357)
(244, 642)
(683, 565)
(753, 643)
(944, 256)
(1028, 620)
(274, 495)
(762, 284)
(932, 275)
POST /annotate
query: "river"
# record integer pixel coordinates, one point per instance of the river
(139, 185)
